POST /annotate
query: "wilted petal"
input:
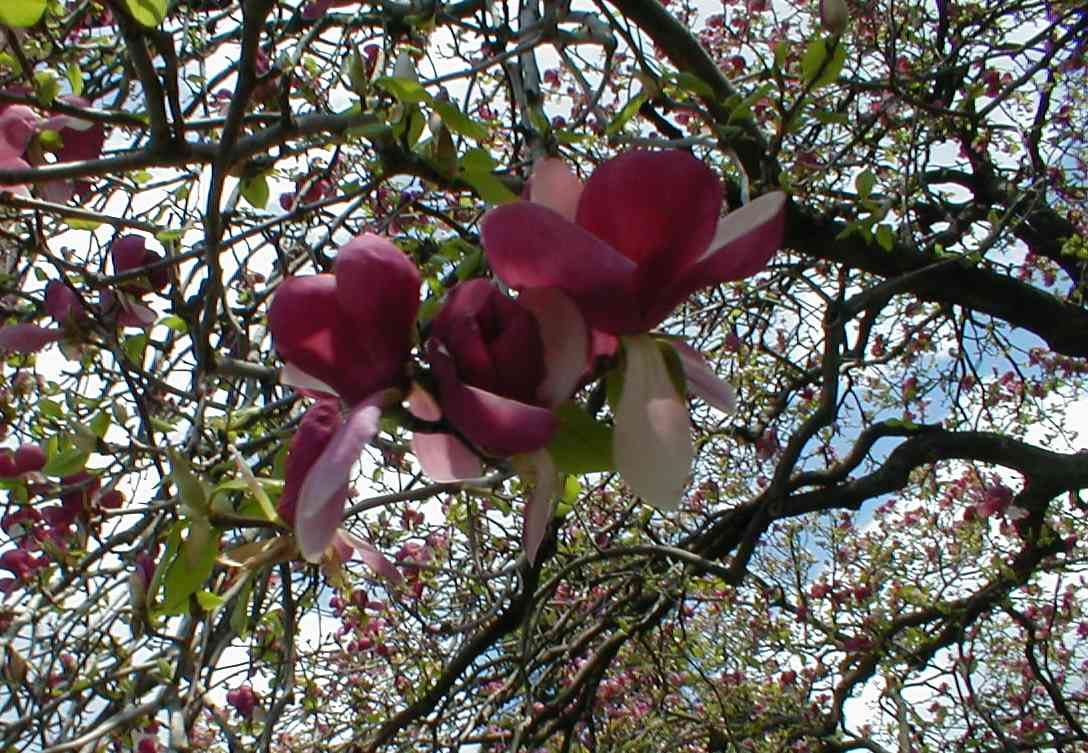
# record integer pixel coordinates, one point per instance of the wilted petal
(653, 449)
(374, 559)
(702, 381)
(566, 342)
(555, 186)
(531, 246)
(443, 457)
(27, 338)
(321, 499)
(134, 314)
(658, 209)
(744, 242)
(497, 424)
(538, 509)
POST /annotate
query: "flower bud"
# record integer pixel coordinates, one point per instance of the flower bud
(833, 16)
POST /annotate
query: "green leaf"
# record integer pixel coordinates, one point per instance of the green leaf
(864, 183)
(149, 13)
(581, 444)
(46, 86)
(191, 568)
(192, 490)
(100, 424)
(693, 84)
(255, 190)
(885, 237)
(476, 168)
(817, 69)
(65, 463)
(134, 348)
(406, 91)
(75, 78)
(458, 122)
(175, 323)
(165, 236)
(20, 14)
(267, 508)
(209, 601)
(624, 116)
(49, 408)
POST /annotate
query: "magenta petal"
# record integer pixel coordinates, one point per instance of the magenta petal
(321, 499)
(316, 429)
(27, 338)
(128, 253)
(743, 244)
(444, 457)
(566, 342)
(497, 424)
(658, 209)
(62, 303)
(17, 126)
(702, 381)
(374, 559)
(530, 246)
(538, 509)
(555, 186)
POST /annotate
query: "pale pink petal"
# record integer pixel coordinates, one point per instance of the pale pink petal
(566, 342)
(57, 191)
(538, 509)
(27, 338)
(422, 404)
(293, 376)
(321, 499)
(134, 314)
(14, 163)
(653, 450)
(702, 381)
(371, 557)
(555, 186)
(444, 457)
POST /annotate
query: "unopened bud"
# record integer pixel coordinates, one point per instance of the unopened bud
(833, 16)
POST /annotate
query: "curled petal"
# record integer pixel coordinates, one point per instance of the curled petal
(369, 554)
(702, 381)
(17, 126)
(555, 186)
(538, 509)
(316, 429)
(497, 424)
(744, 242)
(27, 338)
(444, 457)
(653, 449)
(321, 499)
(422, 404)
(566, 342)
(555, 253)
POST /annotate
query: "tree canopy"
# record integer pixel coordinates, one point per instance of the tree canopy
(618, 375)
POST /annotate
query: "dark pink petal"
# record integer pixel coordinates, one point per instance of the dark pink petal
(128, 253)
(27, 338)
(530, 246)
(652, 445)
(444, 457)
(556, 187)
(371, 557)
(62, 303)
(702, 381)
(658, 209)
(377, 287)
(497, 424)
(566, 342)
(14, 163)
(29, 458)
(83, 139)
(539, 507)
(316, 429)
(743, 244)
(321, 500)
(18, 123)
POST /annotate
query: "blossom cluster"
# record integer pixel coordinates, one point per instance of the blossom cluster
(596, 268)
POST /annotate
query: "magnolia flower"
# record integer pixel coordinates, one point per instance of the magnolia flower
(129, 252)
(80, 140)
(17, 127)
(347, 334)
(636, 240)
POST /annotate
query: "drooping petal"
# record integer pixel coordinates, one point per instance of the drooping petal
(653, 450)
(316, 429)
(17, 126)
(27, 338)
(321, 499)
(444, 457)
(658, 209)
(538, 509)
(531, 246)
(744, 242)
(566, 342)
(371, 557)
(702, 381)
(555, 186)
(498, 424)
